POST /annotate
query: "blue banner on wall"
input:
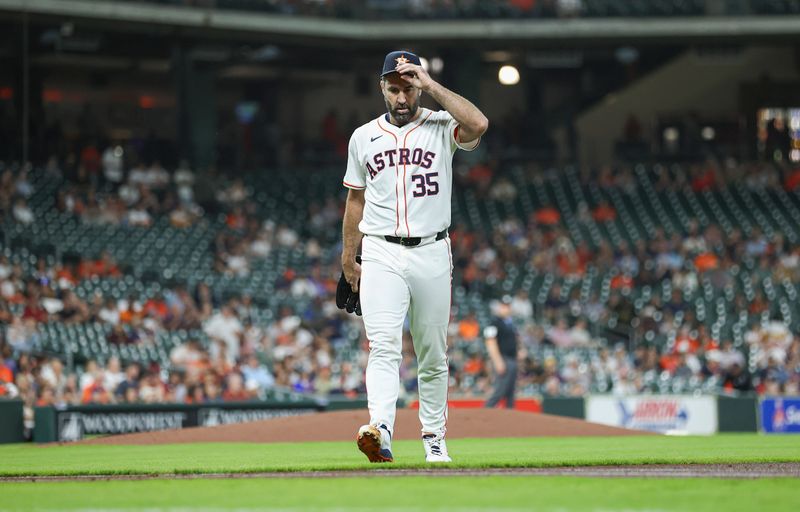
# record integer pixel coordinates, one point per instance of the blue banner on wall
(780, 415)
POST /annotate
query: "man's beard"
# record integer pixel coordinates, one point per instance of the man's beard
(402, 118)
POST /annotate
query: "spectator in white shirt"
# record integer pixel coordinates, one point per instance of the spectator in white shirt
(113, 164)
(521, 307)
(579, 334)
(22, 212)
(225, 326)
(113, 374)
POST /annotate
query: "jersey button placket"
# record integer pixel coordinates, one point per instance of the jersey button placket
(400, 205)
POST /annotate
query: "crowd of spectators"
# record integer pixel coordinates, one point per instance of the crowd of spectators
(695, 361)
(570, 345)
(688, 263)
(480, 9)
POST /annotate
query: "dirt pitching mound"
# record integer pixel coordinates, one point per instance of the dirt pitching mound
(342, 426)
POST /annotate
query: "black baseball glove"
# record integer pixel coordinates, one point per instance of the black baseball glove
(346, 298)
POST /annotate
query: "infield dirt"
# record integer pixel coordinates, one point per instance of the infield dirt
(343, 425)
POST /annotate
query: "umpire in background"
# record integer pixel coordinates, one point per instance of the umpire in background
(502, 342)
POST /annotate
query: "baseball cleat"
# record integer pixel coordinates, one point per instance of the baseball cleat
(371, 443)
(435, 448)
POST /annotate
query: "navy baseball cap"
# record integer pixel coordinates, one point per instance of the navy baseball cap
(394, 58)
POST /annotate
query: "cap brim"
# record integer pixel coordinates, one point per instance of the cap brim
(394, 71)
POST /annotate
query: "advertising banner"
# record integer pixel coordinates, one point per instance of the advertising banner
(213, 416)
(73, 426)
(780, 415)
(678, 414)
(76, 423)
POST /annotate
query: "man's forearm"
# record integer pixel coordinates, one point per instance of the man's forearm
(494, 352)
(469, 117)
(351, 236)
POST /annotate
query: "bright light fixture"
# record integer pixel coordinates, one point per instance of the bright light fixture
(508, 75)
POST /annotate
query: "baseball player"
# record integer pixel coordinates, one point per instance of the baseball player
(399, 172)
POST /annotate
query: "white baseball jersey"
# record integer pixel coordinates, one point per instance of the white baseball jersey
(407, 172)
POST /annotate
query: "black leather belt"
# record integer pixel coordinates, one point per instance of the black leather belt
(414, 240)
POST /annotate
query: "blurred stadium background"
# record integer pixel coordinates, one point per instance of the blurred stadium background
(170, 189)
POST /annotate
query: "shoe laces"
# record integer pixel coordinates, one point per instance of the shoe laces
(434, 443)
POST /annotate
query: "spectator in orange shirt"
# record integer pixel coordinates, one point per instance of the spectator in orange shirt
(604, 212)
(621, 281)
(46, 397)
(156, 307)
(95, 393)
(706, 261)
(469, 328)
(547, 216)
(131, 312)
(5, 373)
(474, 365)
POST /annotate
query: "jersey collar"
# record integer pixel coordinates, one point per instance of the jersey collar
(423, 114)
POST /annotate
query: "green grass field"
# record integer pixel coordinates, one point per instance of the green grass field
(401, 492)
(557, 494)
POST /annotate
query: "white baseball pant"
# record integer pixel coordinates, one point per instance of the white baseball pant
(395, 281)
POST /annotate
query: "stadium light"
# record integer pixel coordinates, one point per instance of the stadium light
(708, 133)
(508, 75)
(437, 64)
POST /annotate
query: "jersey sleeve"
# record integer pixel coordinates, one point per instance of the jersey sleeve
(356, 176)
(452, 130)
(490, 331)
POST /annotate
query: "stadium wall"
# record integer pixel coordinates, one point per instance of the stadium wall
(11, 426)
(673, 414)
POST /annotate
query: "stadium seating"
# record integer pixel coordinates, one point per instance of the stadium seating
(489, 9)
(164, 254)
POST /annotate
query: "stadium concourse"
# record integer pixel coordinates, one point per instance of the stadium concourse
(118, 286)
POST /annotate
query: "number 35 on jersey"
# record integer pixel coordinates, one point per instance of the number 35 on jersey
(406, 173)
